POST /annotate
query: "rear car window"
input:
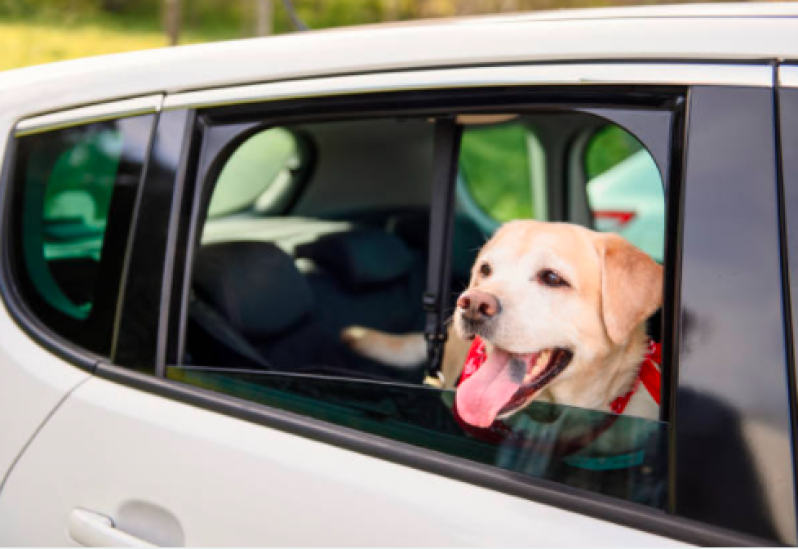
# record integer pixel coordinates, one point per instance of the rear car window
(75, 191)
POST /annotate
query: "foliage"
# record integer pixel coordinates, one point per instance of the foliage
(607, 148)
(495, 166)
(39, 31)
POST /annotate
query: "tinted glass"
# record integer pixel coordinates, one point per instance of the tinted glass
(618, 456)
(75, 196)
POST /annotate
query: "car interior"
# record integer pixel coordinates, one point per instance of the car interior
(312, 228)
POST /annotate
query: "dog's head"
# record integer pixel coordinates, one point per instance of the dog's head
(554, 303)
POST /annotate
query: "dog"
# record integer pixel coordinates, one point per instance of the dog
(562, 312)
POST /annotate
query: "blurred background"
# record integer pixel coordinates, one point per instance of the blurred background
(42, 31)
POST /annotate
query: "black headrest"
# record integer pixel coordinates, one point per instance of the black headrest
(360, 258)
(254, 285)
(467, 239)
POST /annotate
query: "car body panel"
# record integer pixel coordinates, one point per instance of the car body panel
(34, 383)
(230, 482)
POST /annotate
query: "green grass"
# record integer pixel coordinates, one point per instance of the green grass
(25, 43)
(607, 148)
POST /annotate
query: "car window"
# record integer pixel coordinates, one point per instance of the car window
(259, 174)
(625, 189)
(279, 300)
(75, 193)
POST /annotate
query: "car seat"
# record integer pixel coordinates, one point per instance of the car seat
(252, 308)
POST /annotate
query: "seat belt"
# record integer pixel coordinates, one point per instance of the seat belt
(218, 328)
(444, 174)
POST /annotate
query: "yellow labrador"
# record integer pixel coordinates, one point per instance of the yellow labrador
(562, 312)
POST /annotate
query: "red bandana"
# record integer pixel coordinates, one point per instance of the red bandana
(649, 373)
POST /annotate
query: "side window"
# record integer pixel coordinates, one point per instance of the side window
(316, 307)
(625, 189)
(75, 191)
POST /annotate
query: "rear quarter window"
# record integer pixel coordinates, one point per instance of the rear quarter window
(74, 195)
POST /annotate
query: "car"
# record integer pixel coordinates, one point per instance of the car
(186, 232)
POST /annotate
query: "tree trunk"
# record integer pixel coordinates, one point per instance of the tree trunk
(390, 10)
(171, 20)
(265, 18)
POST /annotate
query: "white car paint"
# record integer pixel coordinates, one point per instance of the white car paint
(117, 451)
(32, 384)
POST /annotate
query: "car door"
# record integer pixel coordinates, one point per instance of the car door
(145, 451)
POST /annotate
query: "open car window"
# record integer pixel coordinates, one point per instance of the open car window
(272, 291)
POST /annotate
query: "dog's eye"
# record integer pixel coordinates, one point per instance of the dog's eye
(485, 269)
(547, 277)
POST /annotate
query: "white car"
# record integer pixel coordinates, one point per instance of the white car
(185, 233)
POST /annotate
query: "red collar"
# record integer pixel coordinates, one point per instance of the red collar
(649, 373)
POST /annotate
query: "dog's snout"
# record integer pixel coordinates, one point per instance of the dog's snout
(478, 305)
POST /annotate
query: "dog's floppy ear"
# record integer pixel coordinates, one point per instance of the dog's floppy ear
(631, 286)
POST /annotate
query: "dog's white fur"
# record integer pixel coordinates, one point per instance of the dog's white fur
(600, 315)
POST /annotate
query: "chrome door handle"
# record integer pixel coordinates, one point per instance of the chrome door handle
(92, 529)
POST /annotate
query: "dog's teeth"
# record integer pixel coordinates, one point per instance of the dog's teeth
(538, 367)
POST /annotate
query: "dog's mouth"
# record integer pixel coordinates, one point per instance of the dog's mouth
(506, 382)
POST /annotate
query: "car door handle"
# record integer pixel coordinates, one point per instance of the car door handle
(92, 529)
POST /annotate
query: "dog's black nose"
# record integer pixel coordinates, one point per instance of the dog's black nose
(477, 305)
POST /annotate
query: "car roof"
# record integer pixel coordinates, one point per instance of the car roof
(713, 32)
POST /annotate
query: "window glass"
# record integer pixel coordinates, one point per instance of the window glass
(625, 189)
(553, 442)
(258, 175)
(76, 191)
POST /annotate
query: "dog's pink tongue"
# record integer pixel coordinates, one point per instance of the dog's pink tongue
(480, 397)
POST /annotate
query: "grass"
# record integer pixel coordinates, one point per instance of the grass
(25, 43)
